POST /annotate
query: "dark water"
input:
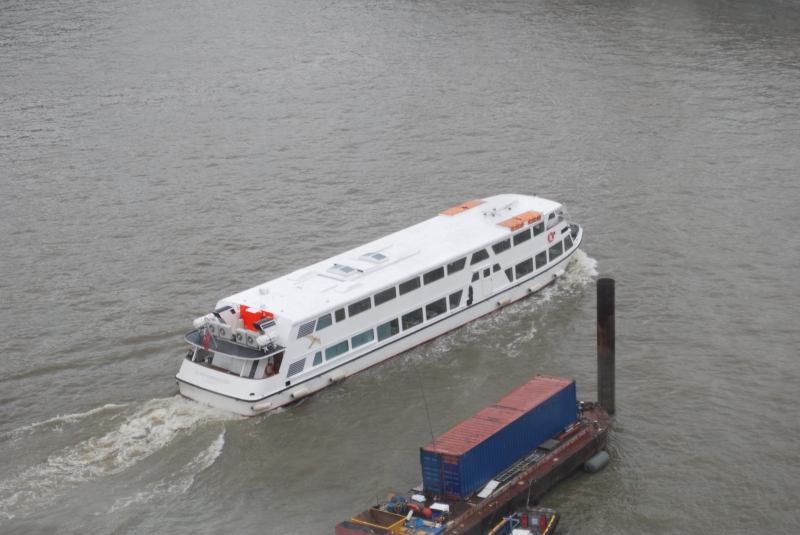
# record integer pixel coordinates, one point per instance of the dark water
(157, 156)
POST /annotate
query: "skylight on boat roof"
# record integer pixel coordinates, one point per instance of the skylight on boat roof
(377, 258)
(344, 271)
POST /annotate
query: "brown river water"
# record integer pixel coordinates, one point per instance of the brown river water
(158, 156)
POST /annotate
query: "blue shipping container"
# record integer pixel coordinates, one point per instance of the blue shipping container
(469, 455)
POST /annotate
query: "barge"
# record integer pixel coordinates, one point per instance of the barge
(278, 342)
(474, 476)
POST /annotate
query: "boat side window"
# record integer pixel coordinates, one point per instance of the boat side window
(359, 306)
(455, 299)
(335, 351)
(541, 259)
(388, 329)
(510, 275)
(523, 268)
(386, 295)
(434, 309)
(324, 321)
(486, 273)
(504, 245)
(277, 360)
(409, 285)
(433, 276)
(339, 314)
(567, 243)
(363, 338)
(538, 228)
(523, 236)
(317, 358)
(456, 266)
(476, 276)
(495, 268)
(555, 251)
(479, 256)
(412, 319)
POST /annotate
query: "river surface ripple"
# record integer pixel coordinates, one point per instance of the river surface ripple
(157, 156)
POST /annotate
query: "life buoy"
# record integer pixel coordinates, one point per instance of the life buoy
(551, 236)
(413, 506)
(270, 370)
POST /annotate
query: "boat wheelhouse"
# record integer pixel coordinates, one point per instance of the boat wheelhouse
(275, 343)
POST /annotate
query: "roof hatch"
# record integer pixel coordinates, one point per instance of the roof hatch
(518, 221)
(375, 258)
(342, 271)
(455, 210)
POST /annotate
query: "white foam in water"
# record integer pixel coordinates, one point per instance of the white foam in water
(53, 422)
(175, 483)
(148, 429)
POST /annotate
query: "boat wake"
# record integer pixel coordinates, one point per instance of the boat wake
(134, 433)
(520, 317)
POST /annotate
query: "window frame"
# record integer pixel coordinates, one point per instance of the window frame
(413, 312)
(387, 291)
(393, 329)
(337, 347)
(403, 291)
(319, 320)
(353, 311)
(550, 256)
(440, 303)
(522, 237)
(456, 266)
(519, 268)
(361, 342)
(478, 258)
(536, 258)
(501, 246)
(433, 275)
(457, 296)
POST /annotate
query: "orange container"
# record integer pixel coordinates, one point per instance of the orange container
(250, 316)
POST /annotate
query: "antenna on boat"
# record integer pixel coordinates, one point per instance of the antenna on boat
(430, 426)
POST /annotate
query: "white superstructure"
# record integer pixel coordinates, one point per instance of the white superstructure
(275, 343)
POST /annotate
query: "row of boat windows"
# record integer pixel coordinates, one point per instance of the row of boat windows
(392, 327)
(526, 267)
(440, 306)
(427, 278)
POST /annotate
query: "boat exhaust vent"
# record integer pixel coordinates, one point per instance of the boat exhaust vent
(306, 329)
(296, 367)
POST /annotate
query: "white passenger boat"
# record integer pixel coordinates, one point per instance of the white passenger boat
(275, 343)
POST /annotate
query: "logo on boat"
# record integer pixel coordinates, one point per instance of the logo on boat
(314, 340)
(211, 377)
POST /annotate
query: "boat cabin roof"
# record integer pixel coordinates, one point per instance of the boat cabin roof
(390, 260)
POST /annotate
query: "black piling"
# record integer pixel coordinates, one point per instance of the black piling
(605, 344)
